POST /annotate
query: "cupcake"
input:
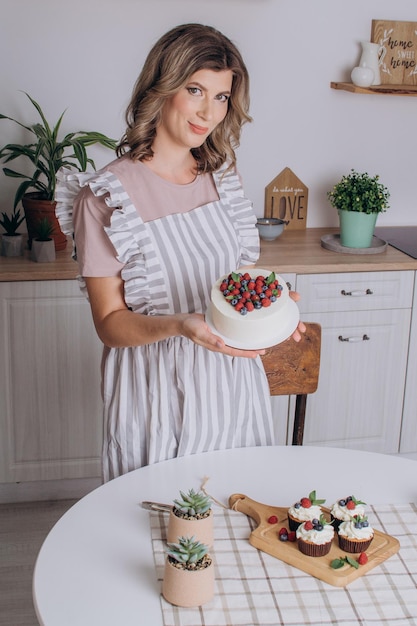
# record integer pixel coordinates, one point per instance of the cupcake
(343, 510)
(355, 535)
(305, 510)
(314, 538)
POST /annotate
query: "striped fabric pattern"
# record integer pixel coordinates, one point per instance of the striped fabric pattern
(173, 397)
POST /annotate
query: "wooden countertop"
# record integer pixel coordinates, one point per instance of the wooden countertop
(296, 251)
(301, 252)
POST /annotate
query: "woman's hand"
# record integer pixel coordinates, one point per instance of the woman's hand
(196, 329)
(297, 334)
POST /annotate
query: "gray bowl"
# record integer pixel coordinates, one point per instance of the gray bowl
(270, 227)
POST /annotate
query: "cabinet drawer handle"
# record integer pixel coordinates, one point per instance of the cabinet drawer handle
(354, 339)
(368, 292)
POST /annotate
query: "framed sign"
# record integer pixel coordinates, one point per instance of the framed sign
(398, 54)
(286, 197)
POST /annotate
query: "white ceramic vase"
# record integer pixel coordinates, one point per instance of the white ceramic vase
(370, 59)
(362, 76)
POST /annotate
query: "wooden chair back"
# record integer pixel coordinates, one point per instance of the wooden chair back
(292, 368)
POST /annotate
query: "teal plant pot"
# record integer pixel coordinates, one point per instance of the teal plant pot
(356, 229)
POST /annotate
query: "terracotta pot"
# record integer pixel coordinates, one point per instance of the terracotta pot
(201, 529)
(11, 245)
(188, 588)
(43, 251)
(35, 210)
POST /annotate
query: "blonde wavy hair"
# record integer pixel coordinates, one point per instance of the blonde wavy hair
(174, 58)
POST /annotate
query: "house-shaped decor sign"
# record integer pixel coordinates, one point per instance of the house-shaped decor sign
(286, 197)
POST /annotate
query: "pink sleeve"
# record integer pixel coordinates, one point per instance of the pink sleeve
(96, 255)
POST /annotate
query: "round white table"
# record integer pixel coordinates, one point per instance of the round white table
(96, 566)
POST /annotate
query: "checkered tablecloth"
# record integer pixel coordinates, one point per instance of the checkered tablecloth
(253, 588)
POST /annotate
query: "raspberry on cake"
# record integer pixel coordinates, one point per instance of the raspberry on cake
(314, 537)
(305, 509)
(344, 509)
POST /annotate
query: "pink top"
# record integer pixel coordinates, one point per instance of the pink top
(153, 197)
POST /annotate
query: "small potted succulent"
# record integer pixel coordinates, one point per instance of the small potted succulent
(43, 245)
(11, 241)
(47, 152)
(188, 574)
(191, 515)
(359, 198)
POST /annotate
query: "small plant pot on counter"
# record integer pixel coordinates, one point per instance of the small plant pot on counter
(356, 229)
(43, 251)
(11, 240)
(359, 198)
(11, 245)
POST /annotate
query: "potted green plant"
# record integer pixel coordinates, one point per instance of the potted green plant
(47, 153)
(191, 515)
(43, 245)
(11, 241)
(359, 198)
(189, 573)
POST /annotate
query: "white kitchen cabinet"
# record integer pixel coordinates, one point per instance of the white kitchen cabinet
(409, 424)
(365, 319)
(50, 402)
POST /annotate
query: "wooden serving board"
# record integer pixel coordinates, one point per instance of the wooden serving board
(265, 538)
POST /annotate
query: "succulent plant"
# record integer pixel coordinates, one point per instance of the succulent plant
(193, 504)
(189, 553)
(44, 229)
(11, 223)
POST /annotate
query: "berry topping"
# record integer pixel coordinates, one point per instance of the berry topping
(350, 505)
(308, 525)
(306, 503)
(246, 294)
(272, 519)
(362, 558)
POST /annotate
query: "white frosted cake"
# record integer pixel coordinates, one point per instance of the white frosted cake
(250, 311)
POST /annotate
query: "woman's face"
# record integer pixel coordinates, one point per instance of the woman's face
(193, 113)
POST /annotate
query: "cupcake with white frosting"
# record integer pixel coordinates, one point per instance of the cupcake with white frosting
(344, 509)
(314, 537)
(355, 535)
(304, 510)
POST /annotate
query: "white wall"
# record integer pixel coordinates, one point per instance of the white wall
(85, 55)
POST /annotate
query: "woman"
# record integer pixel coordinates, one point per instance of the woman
(153, 230)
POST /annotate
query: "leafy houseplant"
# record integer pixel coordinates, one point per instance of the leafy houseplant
(191, 515)
(359, 198)
(188, 574)
(47, 153)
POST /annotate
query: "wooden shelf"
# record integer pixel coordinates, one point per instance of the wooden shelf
(391, 90)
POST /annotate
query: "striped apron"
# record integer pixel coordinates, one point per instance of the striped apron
(173, 398)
